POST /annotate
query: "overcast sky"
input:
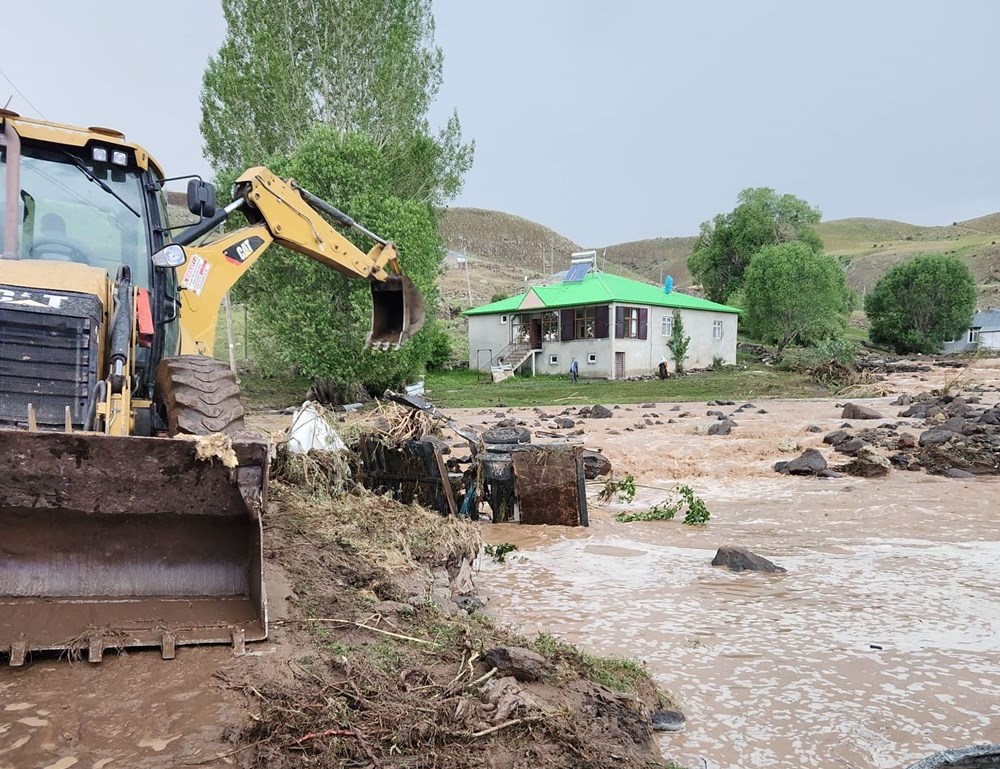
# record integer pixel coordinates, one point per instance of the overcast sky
(609, 122)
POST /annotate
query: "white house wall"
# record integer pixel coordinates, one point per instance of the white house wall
(486, 332)
(642, 356)
(989, 340)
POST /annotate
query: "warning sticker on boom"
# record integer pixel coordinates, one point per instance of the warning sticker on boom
(195, 275)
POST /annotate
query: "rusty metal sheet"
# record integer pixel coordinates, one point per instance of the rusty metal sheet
(549, 482)
(111, 542)
(413, 472)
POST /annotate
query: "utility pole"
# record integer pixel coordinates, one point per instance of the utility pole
(468, 280)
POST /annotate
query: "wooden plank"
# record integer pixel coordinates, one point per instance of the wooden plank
(446, 489)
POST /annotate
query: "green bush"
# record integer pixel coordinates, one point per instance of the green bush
(843, 351)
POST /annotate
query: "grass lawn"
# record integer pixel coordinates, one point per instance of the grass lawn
(460, 389)
(273, 392)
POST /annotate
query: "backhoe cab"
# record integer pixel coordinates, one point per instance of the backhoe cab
(130, 495)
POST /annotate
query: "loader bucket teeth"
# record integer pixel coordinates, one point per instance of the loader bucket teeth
(111, 542)
(397, 312)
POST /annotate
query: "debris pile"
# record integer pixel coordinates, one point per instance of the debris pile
(388, 669)
(399, 447)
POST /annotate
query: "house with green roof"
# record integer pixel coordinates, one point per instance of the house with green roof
(614, 327)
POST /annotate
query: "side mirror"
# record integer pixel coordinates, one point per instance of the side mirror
(201, 198)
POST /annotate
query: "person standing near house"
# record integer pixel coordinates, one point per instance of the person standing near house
(662, 369)
(574, 370)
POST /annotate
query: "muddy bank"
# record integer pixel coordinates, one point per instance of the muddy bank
(377, 657)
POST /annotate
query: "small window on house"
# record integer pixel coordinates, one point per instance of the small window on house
(667, 326)
(592, 357)
(717, 329)
(553, 360)
(973, 336)
(503, 319)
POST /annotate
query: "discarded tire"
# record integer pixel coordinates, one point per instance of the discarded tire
(507, 435)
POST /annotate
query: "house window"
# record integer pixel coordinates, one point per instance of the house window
(550, 326)
(974, 336)
(520, 330)
(591, 357)
(630, 323)
(553, 360)
(717, 329)
(583, 322)
(667, 326)
(503, 319)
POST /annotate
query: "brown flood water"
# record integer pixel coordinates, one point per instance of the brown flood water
(880, 645)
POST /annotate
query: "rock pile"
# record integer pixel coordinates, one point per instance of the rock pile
(958, 437)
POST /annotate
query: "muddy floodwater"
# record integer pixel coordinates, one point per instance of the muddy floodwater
(879, 646)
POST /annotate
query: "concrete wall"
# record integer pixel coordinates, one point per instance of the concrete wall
(989, 340)
(486, 332)
(642, 356)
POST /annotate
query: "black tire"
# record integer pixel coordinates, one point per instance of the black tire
(199, 396)
(507, 435)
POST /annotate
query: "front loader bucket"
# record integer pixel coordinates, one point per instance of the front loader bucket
(397, 312)
(110, 542)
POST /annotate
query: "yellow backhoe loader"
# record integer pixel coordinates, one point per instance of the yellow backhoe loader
(130, 494)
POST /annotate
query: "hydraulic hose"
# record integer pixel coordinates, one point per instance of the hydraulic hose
(121, 328)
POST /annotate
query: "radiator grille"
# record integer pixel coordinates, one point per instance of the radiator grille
(48, 357)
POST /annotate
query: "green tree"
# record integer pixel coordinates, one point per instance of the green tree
(791, 293)
(678, 343)
(335, 93)
(357, 66)
(920, 304)
(728, 242)
(309, 318)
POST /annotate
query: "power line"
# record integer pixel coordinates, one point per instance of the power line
(21, 94)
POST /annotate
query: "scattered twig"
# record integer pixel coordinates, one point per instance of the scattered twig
(320, 735)
(400, 636)
(505, 724)
(229, 754)
(482, 679)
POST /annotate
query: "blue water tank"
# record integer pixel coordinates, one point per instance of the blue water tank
(668, 284)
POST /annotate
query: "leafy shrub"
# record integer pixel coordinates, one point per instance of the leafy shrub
(623, 489)
(696, 512)
(842, 351)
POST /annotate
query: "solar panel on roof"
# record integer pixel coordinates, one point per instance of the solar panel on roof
(576, 273)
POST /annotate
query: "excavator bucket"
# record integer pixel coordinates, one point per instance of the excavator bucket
(397, 312)
(109, 542)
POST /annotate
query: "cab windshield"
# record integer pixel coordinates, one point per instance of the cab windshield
(75, 209)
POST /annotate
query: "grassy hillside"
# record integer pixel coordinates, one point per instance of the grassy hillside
(505, 249)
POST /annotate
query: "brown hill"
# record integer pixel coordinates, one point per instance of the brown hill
(505, 250)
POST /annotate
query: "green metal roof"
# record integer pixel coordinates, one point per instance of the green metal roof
(599, 288)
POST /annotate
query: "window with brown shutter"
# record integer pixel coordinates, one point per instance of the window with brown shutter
(631, 322)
